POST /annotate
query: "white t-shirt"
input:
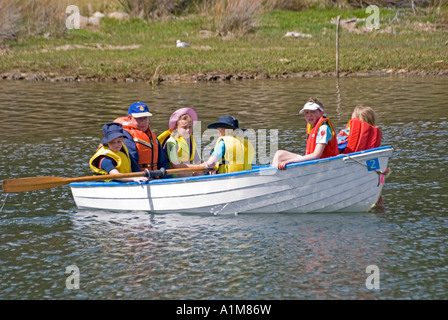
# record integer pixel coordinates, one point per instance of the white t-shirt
(324, 134)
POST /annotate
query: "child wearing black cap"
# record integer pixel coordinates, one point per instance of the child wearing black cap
(232, 152)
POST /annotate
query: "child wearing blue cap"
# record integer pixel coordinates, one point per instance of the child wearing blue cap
(113, 157)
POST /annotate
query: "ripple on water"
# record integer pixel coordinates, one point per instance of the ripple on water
(144, 256)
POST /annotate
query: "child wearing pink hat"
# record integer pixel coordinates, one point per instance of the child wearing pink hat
(178, 142)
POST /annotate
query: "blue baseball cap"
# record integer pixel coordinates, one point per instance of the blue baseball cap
(138, 110)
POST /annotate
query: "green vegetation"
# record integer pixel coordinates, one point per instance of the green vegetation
(145, 49)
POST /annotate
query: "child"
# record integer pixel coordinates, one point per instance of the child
(232, 152)
(321, 138)
(360, 132)
(178, 141)
(113, 157)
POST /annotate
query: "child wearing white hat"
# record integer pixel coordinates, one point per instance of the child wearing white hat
(321, 139)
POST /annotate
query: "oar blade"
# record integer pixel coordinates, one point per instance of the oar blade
(32, 183)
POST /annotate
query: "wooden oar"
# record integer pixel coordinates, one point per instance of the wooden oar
(38, 183)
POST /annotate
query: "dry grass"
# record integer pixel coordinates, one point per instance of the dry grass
(29, 18)
(10, 16)
(235, 16)
(151, 8)
(298, 5)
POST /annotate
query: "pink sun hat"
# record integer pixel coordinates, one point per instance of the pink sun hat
(179, 113)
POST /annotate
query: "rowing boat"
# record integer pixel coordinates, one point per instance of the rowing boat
(344, 183)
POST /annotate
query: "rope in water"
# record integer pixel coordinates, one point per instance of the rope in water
(381, 174)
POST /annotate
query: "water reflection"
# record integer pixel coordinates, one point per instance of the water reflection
(283, 257)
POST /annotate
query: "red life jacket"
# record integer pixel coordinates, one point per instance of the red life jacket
(146, 143)
(331, 149)
(362, 136)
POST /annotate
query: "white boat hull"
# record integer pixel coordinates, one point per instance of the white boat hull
(338, 184)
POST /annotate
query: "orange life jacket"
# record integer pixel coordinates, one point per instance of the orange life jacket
(362, 136)
(331, 149)
(146, 143)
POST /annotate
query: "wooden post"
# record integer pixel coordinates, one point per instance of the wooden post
(337, 47)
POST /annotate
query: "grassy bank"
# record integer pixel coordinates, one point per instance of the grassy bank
(145, 49)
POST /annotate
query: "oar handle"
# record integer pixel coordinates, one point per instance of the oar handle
(156, 173)
(162, 172)
(103, 177)
(192, 169)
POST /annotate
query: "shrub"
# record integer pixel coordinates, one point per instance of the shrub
(10, 17)
(235, 16)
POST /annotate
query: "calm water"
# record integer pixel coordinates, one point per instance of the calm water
(52, 129)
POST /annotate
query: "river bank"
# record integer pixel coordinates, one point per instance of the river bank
(213, 76)
(283, 44)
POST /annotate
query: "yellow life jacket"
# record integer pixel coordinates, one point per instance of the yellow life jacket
(238, 156)
(164, 136)
(184, 154)
(121, 158)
